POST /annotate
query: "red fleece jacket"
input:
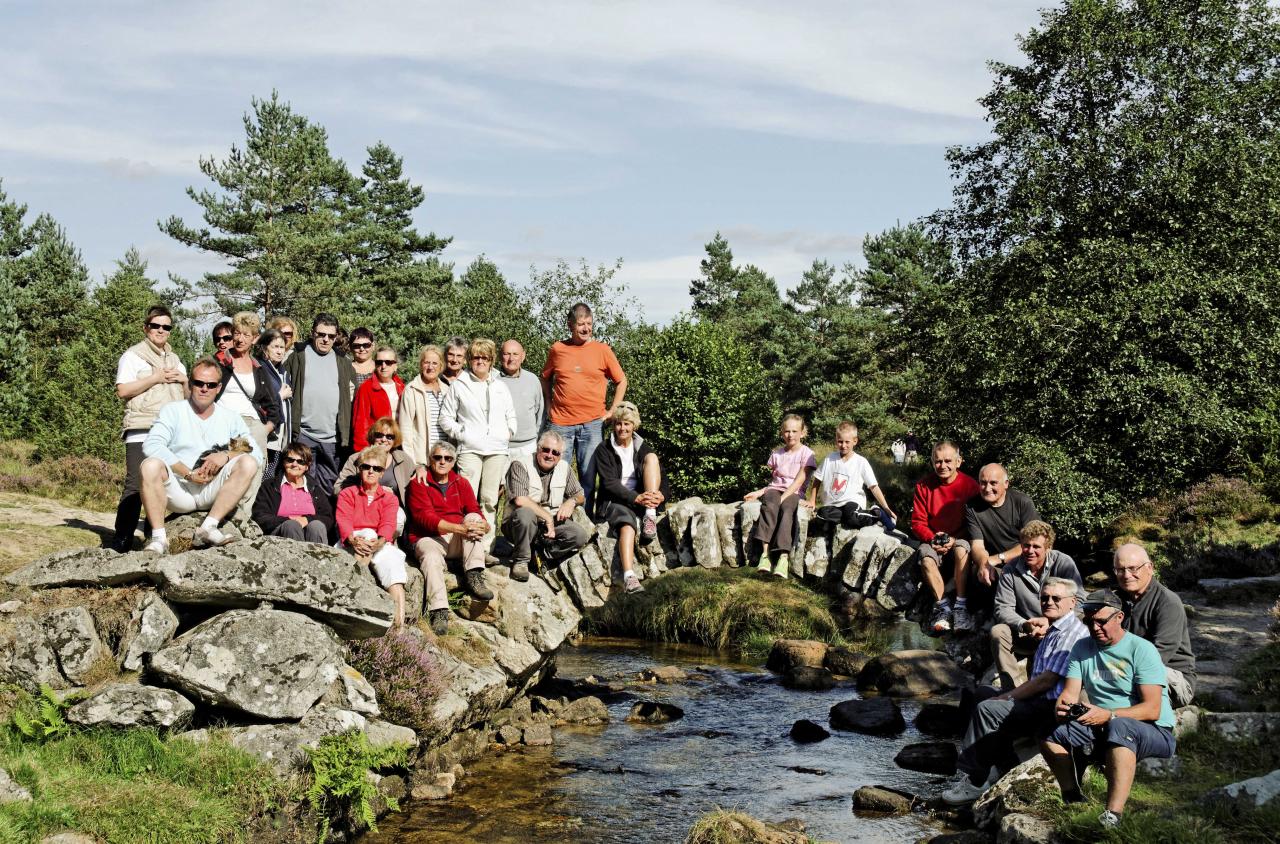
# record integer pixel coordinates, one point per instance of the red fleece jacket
(429, 504)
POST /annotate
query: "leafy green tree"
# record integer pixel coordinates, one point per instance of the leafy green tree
(485, 305)
(277, 216)
(706, 407)
(550, 294)
(1114, 304)
(714, 290)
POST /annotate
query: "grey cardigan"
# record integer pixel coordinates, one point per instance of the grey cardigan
(1018, 590)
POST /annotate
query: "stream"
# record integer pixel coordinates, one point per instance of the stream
(630, 783)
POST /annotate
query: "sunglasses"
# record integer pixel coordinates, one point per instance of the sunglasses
(221, 338)
(294, 461)
(371, 467)
(550, 451)
(288, 335)
(481, 357)
(382, 435)
(386, 362)
(1100, 622)
(205, 385)
(324, 335)
(444, 458)
(1053, 599)
(159, 326)
(361, 345)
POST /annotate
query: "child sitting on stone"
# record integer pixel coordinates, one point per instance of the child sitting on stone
(845, 476)
(792, 466)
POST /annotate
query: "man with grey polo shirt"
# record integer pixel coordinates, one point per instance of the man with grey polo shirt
(526, 394)
(1155, 612)
(321, 400)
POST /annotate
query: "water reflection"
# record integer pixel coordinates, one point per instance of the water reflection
(625, 783)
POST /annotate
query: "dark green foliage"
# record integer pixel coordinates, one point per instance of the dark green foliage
(550, 293)
(1260, 677)
(340, 785)
(706, 407)
(40, 718)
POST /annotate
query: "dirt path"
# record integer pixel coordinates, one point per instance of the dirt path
(31, 527)
(1222, 636)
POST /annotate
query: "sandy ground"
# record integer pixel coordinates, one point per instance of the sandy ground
(31, 527)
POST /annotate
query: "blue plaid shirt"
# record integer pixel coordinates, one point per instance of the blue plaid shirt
(1054, 651)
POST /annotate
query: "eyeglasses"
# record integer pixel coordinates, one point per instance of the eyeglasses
(1054, 599)
(371, 467)
(481, 357)
(205, 385)
(361, 345)
(325, 335)
(288, 335)
(443, 458)
(386, 362)
(159, 326)
(550, 451)
(1129, 571)
(294, 461)
(222, 338)
(1100, 622)
(382, 435)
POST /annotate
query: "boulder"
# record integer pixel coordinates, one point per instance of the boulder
(72, 636)
(663, 674)
(1020, 828)
(27, 659)
(964, 836)
(10, 791)
(859, 551)
(415, 595)
(726, 519)
(886, 544)
(796, 559)
(1246, 795)
(578, 583)
(704, 536)
(899, 579)
(807, 678)
(151, 627)
(1239, 726)
(268, 663)
(324, 583)
(816, 560)
(1220, 590)
(350, 691)
(1161, 769)
(841, 545)
(940, 719)
(508, 734)
(844, 661)
(877, 716)
(654, 712)
(10, 606)
(532, 612)
(585, 710)
(84, 567)
(805, 731)
(787, 654)
(929, 757)
(748, 514)
(283, 745)
(913, 673)
(884, 801)
(680, 517)
(537, 735)
(127, 705)
(1016, 792)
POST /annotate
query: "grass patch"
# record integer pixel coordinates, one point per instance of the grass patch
(82, 481)
(1161, 811)
(726, 609)
(1259, 677)
(136, 786)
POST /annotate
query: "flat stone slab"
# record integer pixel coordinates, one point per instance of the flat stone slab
(126, 705)
(268, 663)
(85, 567)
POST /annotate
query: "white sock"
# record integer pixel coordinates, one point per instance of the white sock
(630, 573)
(651, 512)
(160, 534)
(209, 522)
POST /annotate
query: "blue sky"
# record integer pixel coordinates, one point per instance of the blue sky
(574, 129)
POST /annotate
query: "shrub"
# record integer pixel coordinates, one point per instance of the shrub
(1259, 676)
(1073, 500)
(1222, 498)
(406, 676)
(340, 785)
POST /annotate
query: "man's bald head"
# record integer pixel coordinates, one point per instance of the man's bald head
(512, 357)
(1133, 569)
(993, 483)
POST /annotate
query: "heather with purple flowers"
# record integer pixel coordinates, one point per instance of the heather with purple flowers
(406, 676)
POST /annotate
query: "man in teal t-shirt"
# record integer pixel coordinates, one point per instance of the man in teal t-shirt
(1128, 716)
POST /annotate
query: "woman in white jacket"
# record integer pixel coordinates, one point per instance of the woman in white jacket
(479, 415)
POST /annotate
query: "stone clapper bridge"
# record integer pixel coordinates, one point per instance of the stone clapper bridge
(263, 621)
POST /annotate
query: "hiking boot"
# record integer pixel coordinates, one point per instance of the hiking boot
(520, 571)
(782, 567)
(962, 620)
(210, 537)
(940, 620)
(1109, 819)
(157, 545)
(632, 582)
(440, 621)
(476, 585)
(962, 791)
(648, 528)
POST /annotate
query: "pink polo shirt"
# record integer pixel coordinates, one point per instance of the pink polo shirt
(295, 501)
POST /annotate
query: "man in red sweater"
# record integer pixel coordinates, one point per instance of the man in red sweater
(445, 522)
(938, 521)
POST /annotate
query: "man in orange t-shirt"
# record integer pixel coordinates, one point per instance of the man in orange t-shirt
(575, 382)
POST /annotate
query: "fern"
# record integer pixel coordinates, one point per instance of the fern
(41, 719)
(340, 784)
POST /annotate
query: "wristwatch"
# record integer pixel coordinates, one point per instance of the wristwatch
(1000, 557)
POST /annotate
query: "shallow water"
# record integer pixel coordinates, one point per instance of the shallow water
(626, 783)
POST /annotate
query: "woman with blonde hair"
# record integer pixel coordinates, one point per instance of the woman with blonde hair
(288, 330)
(420, 406)
(630, 488)
(247, 389)
(366, 517)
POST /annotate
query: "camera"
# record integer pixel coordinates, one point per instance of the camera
(1075, 710)
(940, 539)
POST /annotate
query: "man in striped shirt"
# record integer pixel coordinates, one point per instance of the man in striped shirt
(1026, 711)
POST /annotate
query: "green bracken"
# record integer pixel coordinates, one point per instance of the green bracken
(340, 785)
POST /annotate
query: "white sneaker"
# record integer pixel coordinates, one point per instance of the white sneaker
(157, 545)
(962, 792)
(1108, 819)
(210, 537)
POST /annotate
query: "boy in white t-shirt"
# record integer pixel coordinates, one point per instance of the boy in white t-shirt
(844, 477)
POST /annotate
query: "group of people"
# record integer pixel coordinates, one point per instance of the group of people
(323, 441)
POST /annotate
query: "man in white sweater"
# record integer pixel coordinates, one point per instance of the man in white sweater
(175, 478)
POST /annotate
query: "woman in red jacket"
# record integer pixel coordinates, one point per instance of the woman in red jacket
(445, 522)
(377, 397)
(367, 525)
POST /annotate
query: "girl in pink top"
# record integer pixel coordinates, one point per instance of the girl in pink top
(792, 467)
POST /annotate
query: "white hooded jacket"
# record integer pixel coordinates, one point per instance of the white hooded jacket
(479, 415)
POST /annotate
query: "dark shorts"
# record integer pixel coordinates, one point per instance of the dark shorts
(1145, 739)
(618, 514)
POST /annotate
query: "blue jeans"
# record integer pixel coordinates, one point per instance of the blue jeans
(581, 441)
